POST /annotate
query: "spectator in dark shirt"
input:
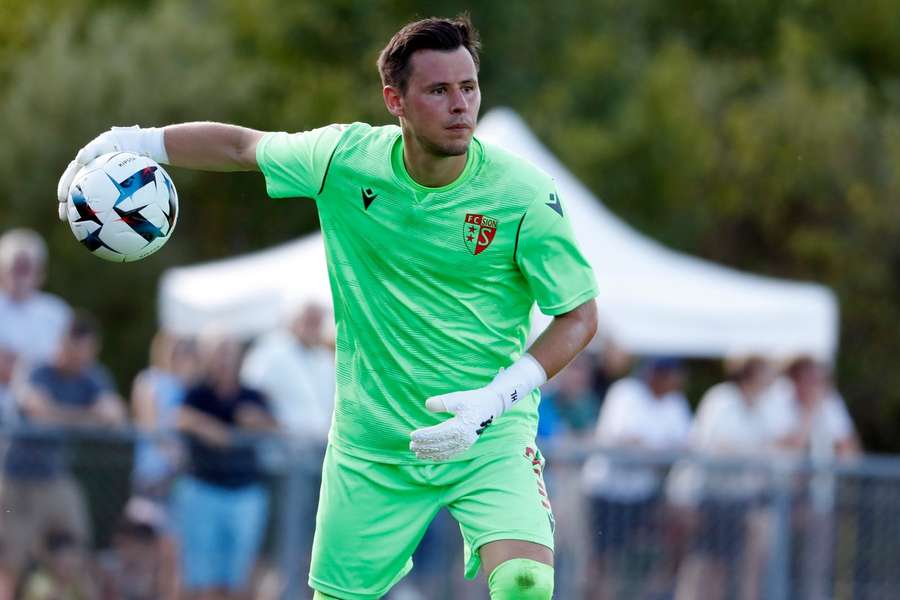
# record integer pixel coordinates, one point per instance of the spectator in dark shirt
(37, 494)
(221, 504)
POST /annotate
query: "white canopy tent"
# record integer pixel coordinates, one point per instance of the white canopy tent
(652, 300)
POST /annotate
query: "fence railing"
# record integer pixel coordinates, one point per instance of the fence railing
(772, 528)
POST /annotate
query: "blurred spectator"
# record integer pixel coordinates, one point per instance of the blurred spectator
(294, 368)
(8, 411)
(222, 505)
(138, 565)
(646, 413)
(567, 419)
(611, 364)
(726, 501)
(31, 322)
(157, 394)
(808, 416)
(38, 494)
(809, 420)
(61, 572)
(568, 409)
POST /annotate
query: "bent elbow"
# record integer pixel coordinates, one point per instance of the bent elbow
(593, 322)
(587, 314)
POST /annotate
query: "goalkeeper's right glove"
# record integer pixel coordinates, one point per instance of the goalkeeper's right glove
(474, 410)
(146, 142)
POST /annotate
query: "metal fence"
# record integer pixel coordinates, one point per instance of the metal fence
(769, 528)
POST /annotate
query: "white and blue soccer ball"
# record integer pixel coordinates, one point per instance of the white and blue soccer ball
(122, 206)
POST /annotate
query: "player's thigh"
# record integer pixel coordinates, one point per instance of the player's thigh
(371, 517)
(498, 552)
(504, 498)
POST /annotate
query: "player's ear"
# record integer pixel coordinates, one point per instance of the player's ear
(393, 100)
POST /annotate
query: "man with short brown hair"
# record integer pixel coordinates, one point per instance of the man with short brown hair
(438, 246)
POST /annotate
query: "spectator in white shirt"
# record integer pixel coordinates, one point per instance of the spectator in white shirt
(642, 414)
(810, 422)
(807, 415)
(32, 322)
(294, 368)
(725, 501)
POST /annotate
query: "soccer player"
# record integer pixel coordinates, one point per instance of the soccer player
(438, 245)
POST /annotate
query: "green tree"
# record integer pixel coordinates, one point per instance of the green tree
(761, 135)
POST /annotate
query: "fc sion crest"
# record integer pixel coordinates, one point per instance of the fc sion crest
(478, 232)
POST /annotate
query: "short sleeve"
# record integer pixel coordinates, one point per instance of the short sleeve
(838, 420)
(559, 276)
(294, 164)
(39, 376)
(614, 422)
(682, 425)
(196, 398)
(102, 380)
(252, 397)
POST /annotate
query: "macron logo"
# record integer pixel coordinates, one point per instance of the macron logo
(555, 204)
(368, 196)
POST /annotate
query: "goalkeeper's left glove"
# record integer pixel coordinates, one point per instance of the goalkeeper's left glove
(474, 410)
(146, 142)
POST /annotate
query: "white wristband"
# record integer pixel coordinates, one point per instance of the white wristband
(146, 142)
(518, 380)
(156, 145)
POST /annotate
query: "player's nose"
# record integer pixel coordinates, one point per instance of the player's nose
(458, 102)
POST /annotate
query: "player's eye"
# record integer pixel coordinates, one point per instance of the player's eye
(438, 91)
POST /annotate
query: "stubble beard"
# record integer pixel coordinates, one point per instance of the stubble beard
(448, 149)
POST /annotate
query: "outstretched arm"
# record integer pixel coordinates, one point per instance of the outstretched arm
(212, 146)
(203, 146)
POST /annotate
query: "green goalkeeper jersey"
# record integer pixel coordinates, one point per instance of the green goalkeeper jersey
(432, 287)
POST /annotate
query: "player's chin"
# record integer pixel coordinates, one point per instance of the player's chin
(454, 147)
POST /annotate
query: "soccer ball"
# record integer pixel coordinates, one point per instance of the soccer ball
(122, 206)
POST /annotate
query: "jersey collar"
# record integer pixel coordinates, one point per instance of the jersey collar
(473, 160)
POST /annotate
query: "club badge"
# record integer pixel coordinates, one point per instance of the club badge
(478, 232)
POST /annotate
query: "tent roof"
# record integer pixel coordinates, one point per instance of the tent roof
(652, 299)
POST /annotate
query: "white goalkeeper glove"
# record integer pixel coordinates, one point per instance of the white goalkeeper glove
(474, 410)
(147, 142)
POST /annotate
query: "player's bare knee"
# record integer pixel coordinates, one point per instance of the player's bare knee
(521, 579)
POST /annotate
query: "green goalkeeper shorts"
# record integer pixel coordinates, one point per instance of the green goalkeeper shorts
(372, 515)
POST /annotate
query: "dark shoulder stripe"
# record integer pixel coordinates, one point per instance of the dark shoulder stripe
(518, 229)
(327, 167)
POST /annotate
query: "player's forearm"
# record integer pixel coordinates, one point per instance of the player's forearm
(205, 427)
(212, 146)
(565, 337)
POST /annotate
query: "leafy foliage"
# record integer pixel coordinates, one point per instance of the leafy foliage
(762, 135)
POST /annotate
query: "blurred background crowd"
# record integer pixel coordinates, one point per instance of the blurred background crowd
(640, 465)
